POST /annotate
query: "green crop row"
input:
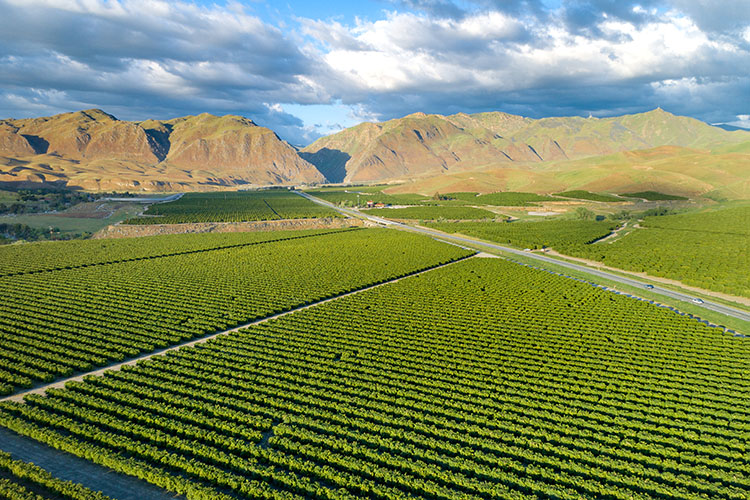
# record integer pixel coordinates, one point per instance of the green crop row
(434, 213)
(236, 206)
(354, 196)
(707, 250)
(503, 199)
(653, 196)
(57, 255)
(24, 481)
(586, 195)
(533, 235)
(480, 380)
(57, 323)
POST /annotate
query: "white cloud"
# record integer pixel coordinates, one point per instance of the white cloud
(408, 51)
(141, 58)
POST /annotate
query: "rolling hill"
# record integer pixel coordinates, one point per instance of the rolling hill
(668, 169)
(421, 146)
(94, 150)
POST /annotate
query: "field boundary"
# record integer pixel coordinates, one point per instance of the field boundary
(120, 230)
(68, 467)
(60, 383)
(743, 301)
(175, 254)
(714, 307)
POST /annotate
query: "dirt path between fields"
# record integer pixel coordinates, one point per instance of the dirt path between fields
(740, 300)
(611, 235)
(79, 470)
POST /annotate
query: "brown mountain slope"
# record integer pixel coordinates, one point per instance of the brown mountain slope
(422, 145)
(12, 143)
(667, 169)
(94, 150)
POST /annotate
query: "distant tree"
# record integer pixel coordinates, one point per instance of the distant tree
(658, 211)
(621, 215)
(441, 197)
(584, 213)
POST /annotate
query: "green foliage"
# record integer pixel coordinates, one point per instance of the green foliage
(27, 201)
(622, 215)
(657, 212)
(584, 213)
(359, 196)
(236, 206)
(441, 197)
(707, 250)
(540, 234)
(434, 213)
(484, 379)
(27, 481)
(506, 199)
(49, 256)
(20, 232)
(586, 195)
(653, 196)
(59, 322)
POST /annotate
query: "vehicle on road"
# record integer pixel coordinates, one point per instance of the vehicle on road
(697, 301)
(650, 287)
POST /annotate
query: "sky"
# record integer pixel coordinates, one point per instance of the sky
(308, 69)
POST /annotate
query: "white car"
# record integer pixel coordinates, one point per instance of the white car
(697, 301)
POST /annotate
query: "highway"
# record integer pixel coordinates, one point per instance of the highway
(136, 199)
(712, 306)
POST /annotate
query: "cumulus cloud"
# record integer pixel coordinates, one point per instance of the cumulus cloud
(627, 59)
(149, 56)
(160, 58)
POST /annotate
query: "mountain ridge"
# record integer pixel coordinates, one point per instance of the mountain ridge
(417, 144)
(92, 149)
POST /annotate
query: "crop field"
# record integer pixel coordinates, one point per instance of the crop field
(48, 256)
(24, 481)
(361, 195)
(539, 234)
(239, 206)
(653, 196)
(505, 199)
(59, 322)
(483, 379)
(586, 195)
(434, 213)
(708, 250)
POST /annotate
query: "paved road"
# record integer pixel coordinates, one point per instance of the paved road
(719, 308)
(146, 200)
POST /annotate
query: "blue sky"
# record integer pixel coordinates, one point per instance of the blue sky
(307, 69)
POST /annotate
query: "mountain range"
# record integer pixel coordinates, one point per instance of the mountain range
(94, 150)
(485, 152)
